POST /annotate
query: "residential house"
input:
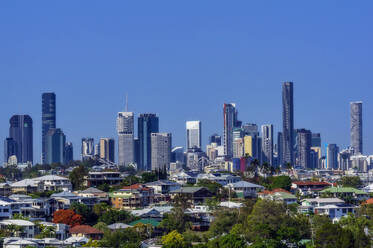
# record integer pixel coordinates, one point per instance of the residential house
(305, 188)
(279, 195)
(86, 232)
(26, 228)
(132, 197)
(309, 205)
(61, 230)
(5, 189)
(221, 178)
(183, 178)
(245, 189)
(54, 183)
(163, 186)
(94, 193)
(345, 193)
(335, 212)
(195, 195)
(96, 178)
(26, 186)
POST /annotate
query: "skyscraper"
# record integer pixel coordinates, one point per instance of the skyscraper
(21, 131)
(193, 134)
(10, 148)
(267, 143)
(288, 122)
(147, 124)
(69, 153)
(161, 151)
(48, 119)
(107, 149)
(332, 151)
(357, 127)
(55, 146)
(230, 118)
(88, 148)
(126, 142)
(304, 141)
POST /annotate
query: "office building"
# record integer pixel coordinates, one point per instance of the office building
(21, 131)
(48, 119)
(230, 118)
(193, 134)
(357, 127)
(126, 142)
(161, 151)
(304, 141)
(55, 146)
(288, 123)
(267, 144)
(250, 129)
(10, 149)
(344, 159)
(88, 148)
(238, 148)
(316, 140)
(177, 154)
(69, 153)
(147, 124)
(215, 138)
(332, 151)
(107, 149)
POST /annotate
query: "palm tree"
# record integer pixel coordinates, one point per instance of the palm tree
(254, 167)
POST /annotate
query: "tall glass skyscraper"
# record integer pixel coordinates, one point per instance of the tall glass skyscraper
(357, 127)
(10, 148)
(288, 123)
(55, 146)
(304, 141)
(193, 133)
(21, 131)
(126, 142)
(147, 124)
(230, 118)
(48, 119)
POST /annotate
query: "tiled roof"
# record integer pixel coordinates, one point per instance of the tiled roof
(84, 229)
(136, 186)
(369, 201)
(313, 183)
(269, 192)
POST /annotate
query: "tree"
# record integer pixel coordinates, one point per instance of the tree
(213, 187)
(283, 182)
(121, 238)
(77, 177)
(351, 181)
(46, 232)
(269, 222)
(68, 217)
(176, 220)
(148, 177)
(232, 241)
(130, 180)
(100, 208)
(112, 216)
(89, 217)
(174, 240)
(223, 222)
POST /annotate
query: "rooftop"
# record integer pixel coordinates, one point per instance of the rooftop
(344, 190)
(84, 229)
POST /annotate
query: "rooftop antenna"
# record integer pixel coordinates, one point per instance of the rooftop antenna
(126, 102)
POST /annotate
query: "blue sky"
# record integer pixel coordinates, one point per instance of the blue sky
(183, 60)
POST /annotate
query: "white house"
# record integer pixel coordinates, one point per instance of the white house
(54, 183)
(245, 189)
(163, 186)
(335, 212)
(27, 227)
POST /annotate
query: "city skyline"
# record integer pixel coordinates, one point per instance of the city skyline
(223, 53)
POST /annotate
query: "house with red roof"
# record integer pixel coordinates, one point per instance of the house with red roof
(86, 232)
(305, 188)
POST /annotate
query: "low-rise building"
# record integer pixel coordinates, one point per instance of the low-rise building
(26, 186)
(309, 205)
(86, 232)
(163, 186)
(279, 195)
(335, 212)
(132, 197)
(26, 230)
(245, 189)
(306, 188)
(97, 178)
(344, 193)
(94, 193)
(195, 195)
(54, 183)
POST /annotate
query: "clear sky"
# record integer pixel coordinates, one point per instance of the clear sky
(183, 60)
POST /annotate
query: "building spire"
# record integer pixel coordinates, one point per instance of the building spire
(126, 103)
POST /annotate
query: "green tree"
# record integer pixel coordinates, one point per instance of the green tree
(148, 177)
(232, 241)
(176, 220)
(89, 217)
(77, 177)
(283, 182)
(223, 222)
(121, 238)
(46, 232)
(351, 181)
(100, 208)
(112, 216)
(174, 240)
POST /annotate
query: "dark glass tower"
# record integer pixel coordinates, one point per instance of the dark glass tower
(21, 132)
(147, 124)
(69, 153)
(10, 148)
(288, 123)
(48, 119)
(55, 143)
